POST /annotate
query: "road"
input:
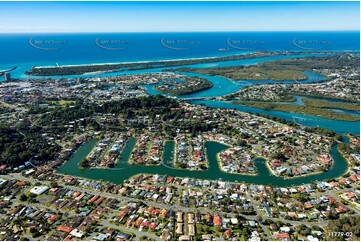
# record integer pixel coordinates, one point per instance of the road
(137, 233)
(174, 207)
(262, 226)
(333, 193)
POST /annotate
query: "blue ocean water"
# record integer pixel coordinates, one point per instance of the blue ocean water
(27, 50)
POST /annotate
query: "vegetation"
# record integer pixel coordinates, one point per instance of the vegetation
(4, 109)
(243, 95)
(322, 131)
(23, 197)
(84, 163)
(23, 143)
(128, 108)
(289, 69)
(349, 228)
(250, 73)
(317, 130)
(348, 148)
(20, 144)
(309, 110)
(325, 104)
(81, 69)
(188, 86)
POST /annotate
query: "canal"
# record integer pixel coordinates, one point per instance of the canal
(263, 176)
(221, 86)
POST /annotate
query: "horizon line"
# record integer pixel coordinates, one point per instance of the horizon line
(190, 31)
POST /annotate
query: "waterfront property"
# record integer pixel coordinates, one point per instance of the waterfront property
(213, 173)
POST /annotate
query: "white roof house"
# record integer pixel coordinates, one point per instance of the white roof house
(39, 190)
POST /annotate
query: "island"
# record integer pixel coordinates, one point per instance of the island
(119, 67)
(278, 70)
(314, 107)
(185, 85)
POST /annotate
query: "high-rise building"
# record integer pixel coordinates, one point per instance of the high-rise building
(7, 76)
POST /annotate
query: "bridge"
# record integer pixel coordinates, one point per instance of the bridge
(192, 98)
(2, 72)
(295, 118)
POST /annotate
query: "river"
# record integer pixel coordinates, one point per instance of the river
(221, 86)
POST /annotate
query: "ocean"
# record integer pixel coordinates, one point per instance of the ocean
(27, 50)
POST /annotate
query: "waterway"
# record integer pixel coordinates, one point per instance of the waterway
(337, 126)
(213, 173)
(125, 154)
(221, 86)
(19, 72)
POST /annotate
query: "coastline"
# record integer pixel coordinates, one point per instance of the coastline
(281, 52)
(151, 64)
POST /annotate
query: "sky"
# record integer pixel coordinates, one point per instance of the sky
(47, 17)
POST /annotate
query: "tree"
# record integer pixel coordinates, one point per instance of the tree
(32, 195)
(23, 197)
(54, 184)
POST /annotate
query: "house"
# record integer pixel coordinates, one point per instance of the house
(191, 230)
(292, 214)
(217, 220)
(153, 226)
(228, 233)
(184, 238)
(109, 232)
(123, 236)
(77, 233)
(282, 236)
(179, 228)
(234, 221)
(206, 237)
(52, 218)
(101, 237)
(252, 223)
(285, 229)
(311, 238)
(273, 227)
(65, 229)
(179, 217)
(38, 190)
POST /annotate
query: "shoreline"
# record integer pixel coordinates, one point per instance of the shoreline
(294, 177)
(284, 52)
(148, 61)
(182, 177)
(129, 66)
(256, 104)
(187, 168)
(349, 165)
(220, 165)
